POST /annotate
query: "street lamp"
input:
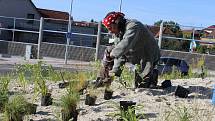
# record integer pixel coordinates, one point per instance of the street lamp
(69, 31)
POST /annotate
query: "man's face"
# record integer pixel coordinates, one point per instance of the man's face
(114, 29)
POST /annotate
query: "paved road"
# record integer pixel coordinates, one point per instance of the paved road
(8, 64)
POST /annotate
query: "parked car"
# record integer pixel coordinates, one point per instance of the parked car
(166, 65)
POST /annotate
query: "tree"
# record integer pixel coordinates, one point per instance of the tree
(174, 44)
(92, 20)
(173, 26)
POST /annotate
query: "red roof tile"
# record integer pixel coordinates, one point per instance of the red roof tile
(156, 30)
(212, 27)
(53, 14)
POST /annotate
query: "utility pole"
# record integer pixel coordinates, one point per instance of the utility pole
(120, 6)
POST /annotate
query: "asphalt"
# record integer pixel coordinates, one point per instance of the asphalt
(8, 64)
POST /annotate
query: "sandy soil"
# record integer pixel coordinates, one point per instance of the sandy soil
(157, 102)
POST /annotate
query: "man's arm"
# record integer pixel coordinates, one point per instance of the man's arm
(117, 67)
(129, 39)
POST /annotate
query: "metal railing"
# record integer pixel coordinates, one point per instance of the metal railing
(39, 27)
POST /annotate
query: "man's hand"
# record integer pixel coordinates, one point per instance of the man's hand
(111, 74)
(107, 53)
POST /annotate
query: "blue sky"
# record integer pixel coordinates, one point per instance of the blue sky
(185, 12)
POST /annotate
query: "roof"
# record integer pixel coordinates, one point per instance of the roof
(212, 33)
(156, 30)
(191, 31)
(53, 14)
(212, 27)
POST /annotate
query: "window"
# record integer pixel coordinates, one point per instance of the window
(30, 16)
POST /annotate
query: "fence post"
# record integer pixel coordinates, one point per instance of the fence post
(40, 37)
(98, 40)
(14, 27)
(160, 35)
(193, 36)
(192, 43)
(68, 40)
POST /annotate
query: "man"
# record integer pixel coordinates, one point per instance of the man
(135, 44)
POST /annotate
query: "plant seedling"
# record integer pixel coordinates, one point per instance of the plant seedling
(91, 97)
(125, 113)
(40, 85)
(4, 83)
(16, 108)
(69, 104)
(108, 93)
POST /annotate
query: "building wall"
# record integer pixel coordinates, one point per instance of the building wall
(20, 9)
(17, 8)
(78, 40)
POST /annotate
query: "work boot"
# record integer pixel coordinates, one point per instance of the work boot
(154, 79)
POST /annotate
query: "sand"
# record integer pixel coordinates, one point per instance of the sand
(157, 103)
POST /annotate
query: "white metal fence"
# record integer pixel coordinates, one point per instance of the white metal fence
(16, 33)
(33, 32)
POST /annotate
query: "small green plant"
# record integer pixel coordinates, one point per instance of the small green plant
(125, 115)
(92, 92)
(96, 65)
(39, 80)
(24, 74)
(41, 86)
(179, 114)
(3, 100)
(127, 77)
(69, 101)
(91, 96)
(52, 74)
(201, 66)
(22, 80)
(68, 75)
(174, 74)
(16, 108)
(82, 81)
(108, 88)
(4, 83)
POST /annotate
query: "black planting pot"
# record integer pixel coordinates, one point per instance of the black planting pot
(108, 95)
(63, 85)
(90, 100)
(68, 116)
(119, 119)
(32, 108)
(166, 84)
(18, 118)
(182, 92)
(126, 104)
(46, 100)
